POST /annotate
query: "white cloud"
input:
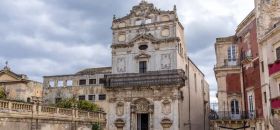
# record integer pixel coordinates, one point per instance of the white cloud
(60, 37)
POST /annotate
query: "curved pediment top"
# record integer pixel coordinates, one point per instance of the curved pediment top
(144, 9)
(138, 37)
(142, 55)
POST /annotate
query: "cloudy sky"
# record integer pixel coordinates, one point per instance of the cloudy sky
(50, 37)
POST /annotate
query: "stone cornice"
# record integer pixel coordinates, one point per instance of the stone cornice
(148, 37)
(272, 33)
(249, 17)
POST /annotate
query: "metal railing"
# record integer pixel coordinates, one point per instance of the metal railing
(227, 115)
(152, 78)
(228, 63)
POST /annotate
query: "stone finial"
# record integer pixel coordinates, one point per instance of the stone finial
(174, 8)
(114, 17)
(6, 66)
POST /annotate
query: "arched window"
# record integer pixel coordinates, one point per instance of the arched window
(234, 106)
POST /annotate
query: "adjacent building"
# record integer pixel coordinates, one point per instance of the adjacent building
(18, 87)
(152, 84)
(246, 71)
(268, 18)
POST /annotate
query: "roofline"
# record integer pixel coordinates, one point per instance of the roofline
(245, 21)
(196, 66)
(65, 75)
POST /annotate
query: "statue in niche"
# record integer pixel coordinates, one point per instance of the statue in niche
(120, 109)
(166, 107)
(165, 61)
(121, 67)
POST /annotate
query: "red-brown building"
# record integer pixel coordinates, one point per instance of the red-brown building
(238, 76)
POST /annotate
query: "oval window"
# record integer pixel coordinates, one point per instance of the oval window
(143, 47)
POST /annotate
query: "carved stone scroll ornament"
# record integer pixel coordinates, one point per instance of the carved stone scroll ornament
(166, 107)
(119, 123)
(120, 109)
(166, 123)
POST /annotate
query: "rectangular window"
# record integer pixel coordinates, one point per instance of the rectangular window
(102, 81)
(69, 82)
(59, 83)
(102, 97)
(51, 84)
(262, 66)
(82, 97)
(278, 53)
(279, 88)
(91, 97)
(92, 81)
(142, 66)
(82, 82)
(251, 105)
(264, 95)
(57, 100)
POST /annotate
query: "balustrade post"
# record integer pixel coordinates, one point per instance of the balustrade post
(10, 105)
(57, 110)
(39, 109)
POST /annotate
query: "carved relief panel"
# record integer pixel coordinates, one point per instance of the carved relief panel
(142, 106)
(166, 107)
(121, 66)
(165, 61)
(120, 109)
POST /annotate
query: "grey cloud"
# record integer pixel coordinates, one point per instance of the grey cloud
(46, 37)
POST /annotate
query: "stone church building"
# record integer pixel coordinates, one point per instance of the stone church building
(152, 84)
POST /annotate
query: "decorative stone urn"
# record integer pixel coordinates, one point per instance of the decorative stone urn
(166, 123)
(119, 123)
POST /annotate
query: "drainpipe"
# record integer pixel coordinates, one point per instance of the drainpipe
(189, 95)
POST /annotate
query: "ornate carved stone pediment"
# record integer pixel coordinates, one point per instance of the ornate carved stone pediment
(142, 37)
(144, 9)
(142, 106)
(142, 55)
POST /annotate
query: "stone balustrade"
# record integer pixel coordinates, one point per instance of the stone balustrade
(18, 108)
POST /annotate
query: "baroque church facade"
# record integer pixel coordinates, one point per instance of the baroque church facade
(152, 84)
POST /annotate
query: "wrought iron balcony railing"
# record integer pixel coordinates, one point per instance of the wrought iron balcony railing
(227, 115)
(228, 63)
(152, 78)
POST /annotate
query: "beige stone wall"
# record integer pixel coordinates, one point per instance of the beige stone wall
(193, 111)
(20, 89)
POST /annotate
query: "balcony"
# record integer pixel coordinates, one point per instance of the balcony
(152, 78)
(275, 103)
(228, 63)
(274, 68)
(246, 56)
(227, 115)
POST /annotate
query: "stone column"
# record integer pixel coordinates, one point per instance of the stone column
(119, 123)
(166, 124)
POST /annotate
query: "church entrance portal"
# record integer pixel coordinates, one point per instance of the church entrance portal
(142, 121)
